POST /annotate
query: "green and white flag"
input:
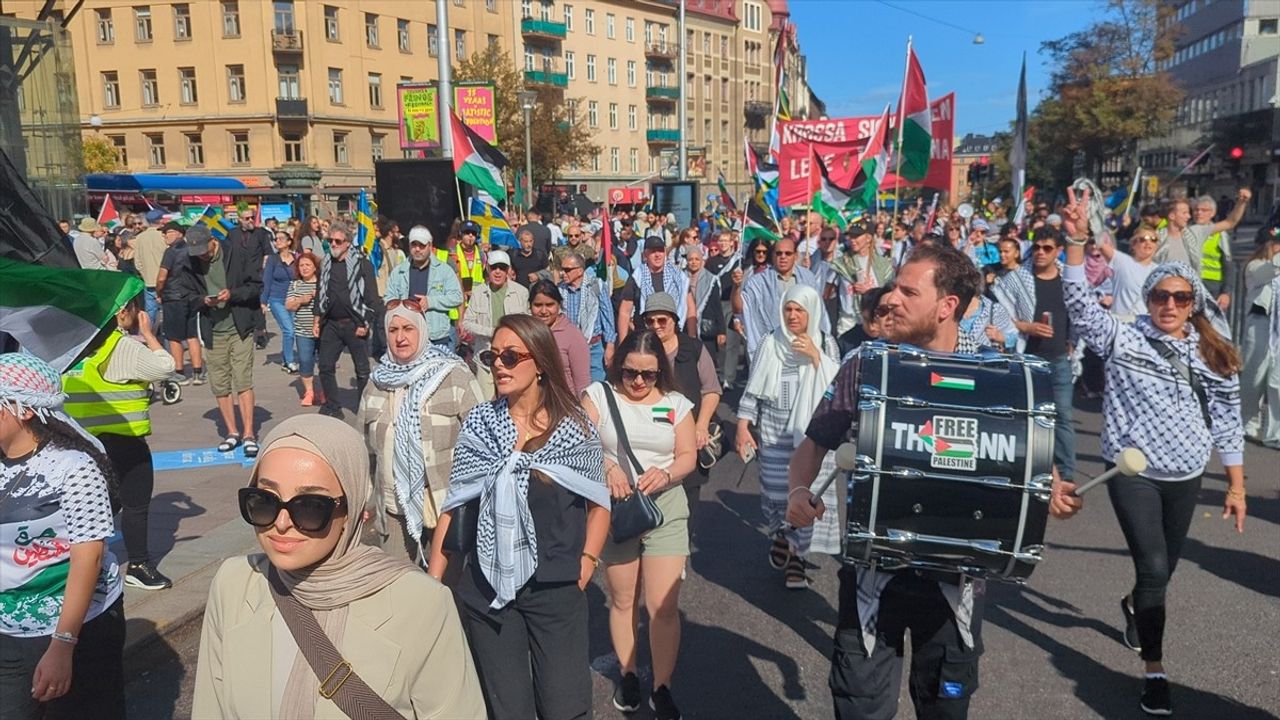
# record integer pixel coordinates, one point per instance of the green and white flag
(476, 162)
(55, 312)
(829, 199)
(873, 163)
(917, 124)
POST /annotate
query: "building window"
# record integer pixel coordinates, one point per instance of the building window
(494, 40)
(631, 73)
(340, 148)
(142, 23)
(491, 5)
(570, 65)
(631, 117)
(590, 16)
(613, 160)
(459, 44)
(195, 148)
(283, 16)
(568, 17)
(111, 89)
(122, 150)
(292, 148)
(635, 160)
(155, 149)
(371, 30)
(182, 21)
(331, 23)
(375, 90)
(335, 86)
(240, 147)
(529, 63)
(230, 19)
(1268, 26)
(591, 68)
(595, 163)
(290, 83)
(433, 41)
(593, 119)
(613, 116)
(612, 70)
(376, 141)
(402, 34)
(235, 84)
(608, 25)
(150, 88)
(751, 15)
(187, 86)
(630, 32)
(706, 43)
(106, 28)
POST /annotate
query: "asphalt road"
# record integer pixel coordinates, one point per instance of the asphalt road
(752, 649)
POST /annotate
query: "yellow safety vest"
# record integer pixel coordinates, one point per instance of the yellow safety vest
(476, 271)
(104, 407)
(1211, 258)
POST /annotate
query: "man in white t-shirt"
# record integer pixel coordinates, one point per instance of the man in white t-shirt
(1185, 243)
(1130, 271)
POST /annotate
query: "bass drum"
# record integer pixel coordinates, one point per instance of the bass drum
(955, 455)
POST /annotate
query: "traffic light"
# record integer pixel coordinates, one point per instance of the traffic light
(973, 173)
(1236, 153)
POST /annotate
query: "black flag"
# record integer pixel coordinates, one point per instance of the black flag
(27, 232)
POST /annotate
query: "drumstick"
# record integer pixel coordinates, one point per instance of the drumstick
(846, 459)
(1130, 462)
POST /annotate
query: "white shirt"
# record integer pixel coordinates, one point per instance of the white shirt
(1128, 277)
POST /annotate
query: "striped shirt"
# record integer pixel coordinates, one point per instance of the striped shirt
(304, 317)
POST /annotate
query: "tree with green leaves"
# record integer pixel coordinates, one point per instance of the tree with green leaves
(1106, 90)
(557, 140)
(100, 155)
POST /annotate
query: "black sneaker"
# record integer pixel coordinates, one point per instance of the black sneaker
(1130, 626)
(145, 576)
(627, 696)
(1155, 697)
(664, 708)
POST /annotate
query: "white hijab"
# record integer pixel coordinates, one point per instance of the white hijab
(775, 355)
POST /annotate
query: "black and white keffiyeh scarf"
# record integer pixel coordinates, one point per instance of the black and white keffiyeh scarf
(487, 466)
(674, 283)
(355, 286)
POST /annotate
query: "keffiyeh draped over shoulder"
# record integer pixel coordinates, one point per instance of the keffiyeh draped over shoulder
(486, 465)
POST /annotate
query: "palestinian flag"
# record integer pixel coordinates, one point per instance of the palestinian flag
(951, 382)
(872, 164)
(759, 221)
(476, 162)
(726, 198)
(56, 312)
(829, 199)
(108, 218)
(917, 126)
(664, 415)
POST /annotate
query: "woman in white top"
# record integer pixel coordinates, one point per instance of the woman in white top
(659, 425)
(1261, 374)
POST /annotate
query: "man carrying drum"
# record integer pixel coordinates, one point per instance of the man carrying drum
(943, 611)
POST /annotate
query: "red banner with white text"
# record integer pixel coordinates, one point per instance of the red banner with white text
(839, 141)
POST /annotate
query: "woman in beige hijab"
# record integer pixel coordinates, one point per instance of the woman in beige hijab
(396, 627)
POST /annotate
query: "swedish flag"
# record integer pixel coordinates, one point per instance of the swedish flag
(212, 219)
(366, 238)
(494, 229)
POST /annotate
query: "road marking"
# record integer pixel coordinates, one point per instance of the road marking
(198, 457)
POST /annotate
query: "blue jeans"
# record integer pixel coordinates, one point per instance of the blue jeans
(284, 319)
(152, 305)
(1064, 433)
(597, 361)
(306, 355)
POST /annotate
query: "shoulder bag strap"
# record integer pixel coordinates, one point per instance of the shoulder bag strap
(338, 681)
(1171, 357)
(621, 429)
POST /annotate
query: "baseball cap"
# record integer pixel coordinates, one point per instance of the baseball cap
(661, 302)
(859, 228)
(198, 238)
(174, 225)
(653, 242)
(469, 227)
(419, 235)
(1054, 219)
(155, 216)
(499, 257)
(980, 224)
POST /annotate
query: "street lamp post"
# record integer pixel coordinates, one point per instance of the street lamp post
(527, 99)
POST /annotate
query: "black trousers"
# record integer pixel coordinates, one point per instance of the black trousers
(544, 630)
(131, 460)
(97, 673)
(336, 336)
(1155, 517)
(944, 673)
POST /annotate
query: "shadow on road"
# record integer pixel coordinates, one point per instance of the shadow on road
(168, 510)
(154, 676)
(261, 416)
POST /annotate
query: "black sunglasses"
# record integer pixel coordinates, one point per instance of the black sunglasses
(500, 266)
(309, 513)
(509, 358)
(649, 376)
(1181, 298)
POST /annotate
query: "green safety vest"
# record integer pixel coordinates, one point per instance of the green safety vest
(1211, 258)
(103, 407)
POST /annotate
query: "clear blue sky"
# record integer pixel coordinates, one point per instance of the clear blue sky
(857, 49)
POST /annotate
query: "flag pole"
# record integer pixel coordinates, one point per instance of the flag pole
(897, 170)
(813, 168)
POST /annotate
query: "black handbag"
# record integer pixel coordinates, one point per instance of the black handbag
(638, 513)
(463, 525)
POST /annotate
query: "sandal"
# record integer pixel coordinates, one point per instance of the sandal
(231, 443)
(779, 552)
(250, 448)
(796, 577)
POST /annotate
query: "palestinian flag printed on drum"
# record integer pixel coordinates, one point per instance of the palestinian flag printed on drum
(950, 382)
(664, 415)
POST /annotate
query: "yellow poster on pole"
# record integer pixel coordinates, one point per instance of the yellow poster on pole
(419, 116)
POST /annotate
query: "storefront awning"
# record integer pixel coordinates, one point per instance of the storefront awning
(176, 184)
